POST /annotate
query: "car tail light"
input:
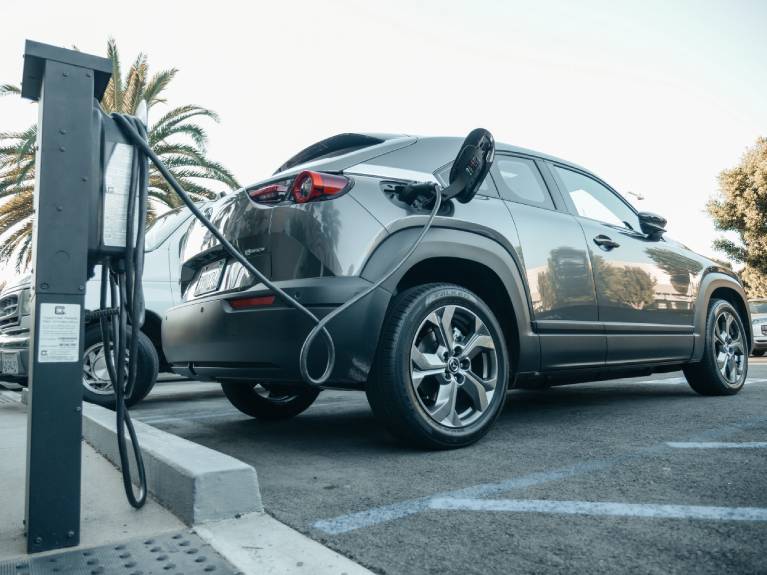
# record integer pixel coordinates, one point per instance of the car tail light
(310, 186)
(305, 187)
(247, 302)
(271, 194)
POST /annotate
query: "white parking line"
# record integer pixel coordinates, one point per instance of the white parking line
(718, 445)
(401, 509)
(603, 508)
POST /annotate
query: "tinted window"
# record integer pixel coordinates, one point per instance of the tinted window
(159, 230)
(595, 201)
(486, 189)
(522, 182)
(758, 306)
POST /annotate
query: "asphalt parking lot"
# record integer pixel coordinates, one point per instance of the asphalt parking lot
(635, 475)
(638, 475)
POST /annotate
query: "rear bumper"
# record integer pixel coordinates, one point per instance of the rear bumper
(18, 345)
(208, 339)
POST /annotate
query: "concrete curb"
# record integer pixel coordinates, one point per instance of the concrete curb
(218, 495)
(195, 483)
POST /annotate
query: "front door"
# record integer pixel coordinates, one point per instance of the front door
(644, 287)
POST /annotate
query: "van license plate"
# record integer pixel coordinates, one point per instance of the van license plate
(10, 364)
(210, 276)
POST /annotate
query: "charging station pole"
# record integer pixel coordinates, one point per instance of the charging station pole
(65, 83)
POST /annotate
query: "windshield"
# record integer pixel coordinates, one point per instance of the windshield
(758, 306)
(159, 230)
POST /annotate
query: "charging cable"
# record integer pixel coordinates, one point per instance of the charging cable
(123, 276)
(121, 321)
(417, 191)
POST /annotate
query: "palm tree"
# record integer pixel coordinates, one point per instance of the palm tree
(176, 137)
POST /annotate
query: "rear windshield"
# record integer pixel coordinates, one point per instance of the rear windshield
(758, 306)
(159, 230)
(330, 148)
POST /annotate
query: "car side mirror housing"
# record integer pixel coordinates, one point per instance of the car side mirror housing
(653, 225)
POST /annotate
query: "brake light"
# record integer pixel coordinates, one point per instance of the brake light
(246, 302)
(310, 186)
(305, 187)
(271, 194)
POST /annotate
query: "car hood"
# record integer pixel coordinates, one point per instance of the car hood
(17, 284)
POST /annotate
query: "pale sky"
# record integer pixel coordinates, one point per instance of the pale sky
(656, 97)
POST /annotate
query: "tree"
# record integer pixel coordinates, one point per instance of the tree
(742, 207)
(176, 137)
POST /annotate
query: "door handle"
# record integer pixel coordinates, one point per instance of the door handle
(605, 242)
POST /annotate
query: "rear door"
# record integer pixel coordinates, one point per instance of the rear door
(557, 265)
(644, 287)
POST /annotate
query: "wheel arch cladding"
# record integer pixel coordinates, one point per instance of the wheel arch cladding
(717, 285)
(477, 278)
(470, 260)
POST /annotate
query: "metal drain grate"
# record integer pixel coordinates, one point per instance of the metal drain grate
(168, 554)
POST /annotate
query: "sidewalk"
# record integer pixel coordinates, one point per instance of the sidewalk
(115, 538)
(106, 516)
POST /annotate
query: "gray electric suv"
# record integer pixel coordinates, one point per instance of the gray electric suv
(548, 276)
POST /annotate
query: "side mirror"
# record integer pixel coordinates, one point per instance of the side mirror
(471, 165)
(653, 225)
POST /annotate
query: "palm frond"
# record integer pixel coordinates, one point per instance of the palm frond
(134, 85)
(198, 134)
(8, 89)
(156, 85)
(183, 111)
(15, 210)
(177, 137)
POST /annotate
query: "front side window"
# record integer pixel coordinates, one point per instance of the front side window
(595, 201)
(523, 182)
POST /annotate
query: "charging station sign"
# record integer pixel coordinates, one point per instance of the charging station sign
(117, 180)
(59, 339)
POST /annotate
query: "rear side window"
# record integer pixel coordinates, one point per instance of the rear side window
(486, 189)
(521, 182)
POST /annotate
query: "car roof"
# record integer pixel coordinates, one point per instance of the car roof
(416, 153)
(503, 147)
(430, 153)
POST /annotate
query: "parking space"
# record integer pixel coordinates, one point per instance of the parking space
(637, 475)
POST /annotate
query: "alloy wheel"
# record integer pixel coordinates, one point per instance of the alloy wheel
(95, 373)
(454, 366)
(729, 348)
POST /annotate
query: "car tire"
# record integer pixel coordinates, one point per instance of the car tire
(96, 387)
(417, 402)
(724, 366)
(757, 353)
(269, 402)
